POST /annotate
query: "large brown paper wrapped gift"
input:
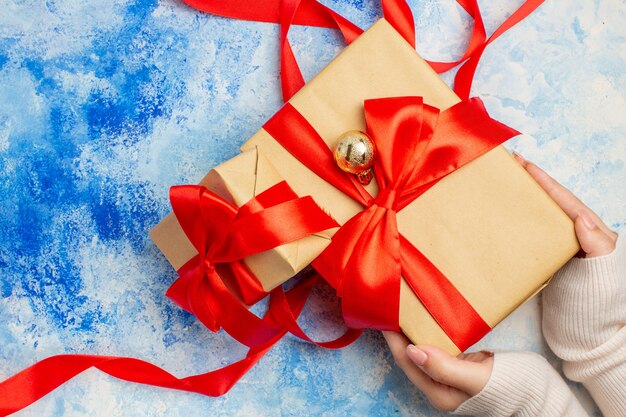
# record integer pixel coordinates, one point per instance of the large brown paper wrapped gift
(490, 229)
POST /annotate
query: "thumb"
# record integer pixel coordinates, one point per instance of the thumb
(467, 376)
(593, 241)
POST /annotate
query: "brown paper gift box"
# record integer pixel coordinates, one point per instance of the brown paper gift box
(492, 231)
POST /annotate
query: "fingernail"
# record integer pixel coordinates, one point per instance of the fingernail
(417, 355)
(517, 155)
(488, 353)
(587, 220)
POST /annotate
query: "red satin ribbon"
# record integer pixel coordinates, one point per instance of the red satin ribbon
(417, 146)
(397, 12)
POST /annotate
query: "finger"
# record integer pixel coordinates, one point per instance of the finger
(467, 376)
(397, 344)
(480, 356)
(441, 396)
(593, 241)
(568, 202)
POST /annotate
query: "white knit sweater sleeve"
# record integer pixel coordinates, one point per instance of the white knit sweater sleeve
(584, 322)
(584, 319)
(523, 384)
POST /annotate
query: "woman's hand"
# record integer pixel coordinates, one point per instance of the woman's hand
(447, 381)
(595, 238)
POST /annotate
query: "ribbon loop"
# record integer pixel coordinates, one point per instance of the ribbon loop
(396, 12)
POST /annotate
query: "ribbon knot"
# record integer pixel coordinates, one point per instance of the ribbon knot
(386, 198)
(208, 265)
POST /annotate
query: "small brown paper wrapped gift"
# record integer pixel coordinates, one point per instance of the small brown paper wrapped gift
(488, 227)
(238, 180)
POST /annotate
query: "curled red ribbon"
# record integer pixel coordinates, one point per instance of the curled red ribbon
(223, 235)
(397, 12)
(417, 146)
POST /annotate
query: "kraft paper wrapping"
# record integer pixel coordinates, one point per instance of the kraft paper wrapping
(488, 227)
(238, 180)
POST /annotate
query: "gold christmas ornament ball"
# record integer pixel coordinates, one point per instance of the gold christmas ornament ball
(355, 152)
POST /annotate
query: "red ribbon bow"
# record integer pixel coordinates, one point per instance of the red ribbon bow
(417, 146)
(223, 235)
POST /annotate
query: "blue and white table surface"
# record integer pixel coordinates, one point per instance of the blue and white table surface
(106, 104)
